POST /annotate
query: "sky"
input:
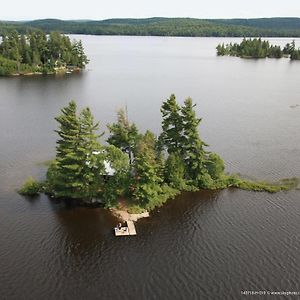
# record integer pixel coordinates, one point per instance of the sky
(105, 9)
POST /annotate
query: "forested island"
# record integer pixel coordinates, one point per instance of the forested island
(38, 53)
(258, 48)
(139, 170)
(157, 26)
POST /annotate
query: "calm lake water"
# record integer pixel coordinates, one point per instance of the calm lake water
(208, 245)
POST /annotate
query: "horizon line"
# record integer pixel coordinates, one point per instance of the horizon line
(153, 17)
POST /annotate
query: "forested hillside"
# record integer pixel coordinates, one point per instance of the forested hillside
(271, 27)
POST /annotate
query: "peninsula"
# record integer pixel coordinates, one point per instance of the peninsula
(135, 171)
(38, 53)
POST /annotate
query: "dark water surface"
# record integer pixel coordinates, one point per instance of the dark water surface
(209, 245)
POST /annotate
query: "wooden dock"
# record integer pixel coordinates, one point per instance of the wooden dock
(126, 230)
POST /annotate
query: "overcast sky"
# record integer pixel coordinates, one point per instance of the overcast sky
(104, 9)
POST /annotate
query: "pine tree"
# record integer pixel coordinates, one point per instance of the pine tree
(79, 57)
(146, 187)
(68, 168)
(171, 136)
(88, 151)
(174, 172)
(192, 148)
(124, 134)
(118, 184)
(79, 166)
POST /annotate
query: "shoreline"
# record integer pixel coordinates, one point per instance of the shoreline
(126, 216)
(59, 71)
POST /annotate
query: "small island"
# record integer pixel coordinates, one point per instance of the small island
(135, 172)
(38, 53)
(257, 48)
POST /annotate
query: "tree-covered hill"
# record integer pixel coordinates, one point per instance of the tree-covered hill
(264, 27)
(268, 23)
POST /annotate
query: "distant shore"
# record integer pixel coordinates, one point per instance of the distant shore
(160, 26)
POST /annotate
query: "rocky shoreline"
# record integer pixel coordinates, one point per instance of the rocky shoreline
(55, 72)
(126, 216)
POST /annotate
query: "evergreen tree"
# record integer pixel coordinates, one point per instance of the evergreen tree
(124, 134)
(171, 136)
(146, 187)
(88, 150)
(192, 148)
(78, 56)
(78, 167)
(215, 166)
(118, 184)
(174, 172)
(34, 52)
(68, 168)
(25, 50)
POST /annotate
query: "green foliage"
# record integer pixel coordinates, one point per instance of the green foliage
(262, 186)
(118, 184)
(215, 166)
(162, 196)
(11, 67)
(289, 48)
(295, 55)
(192, 148)
(267, 27)
(124, 134)
(135, 209)
(180, 137)
(256, 48)
(85, 169)
(174, 172)
(35, 52)
(30, 187)
(146, 184)
(171, 136)
(52, 179)
(77, 168)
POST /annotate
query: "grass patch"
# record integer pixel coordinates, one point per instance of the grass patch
(263, 186)
(135, 209)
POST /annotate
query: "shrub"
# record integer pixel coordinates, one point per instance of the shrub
(30, 187)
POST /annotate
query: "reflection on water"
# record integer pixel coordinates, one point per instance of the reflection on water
(206, 245)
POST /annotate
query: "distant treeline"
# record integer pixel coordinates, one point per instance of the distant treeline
(257, 48)
(272, 27)
(35, 52)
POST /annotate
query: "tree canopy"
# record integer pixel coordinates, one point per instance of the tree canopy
(36, 52)
(264, 27)
(161, 167)
(258, 48)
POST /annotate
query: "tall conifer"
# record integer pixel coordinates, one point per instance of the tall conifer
(171, 136)
(192, 148)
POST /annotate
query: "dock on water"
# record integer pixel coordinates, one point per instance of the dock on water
(126, 230)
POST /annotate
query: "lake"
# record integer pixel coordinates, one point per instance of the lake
(206, 245)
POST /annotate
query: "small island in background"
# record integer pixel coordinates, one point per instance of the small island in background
(135, 172)
(257, 48)
(38, 53)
